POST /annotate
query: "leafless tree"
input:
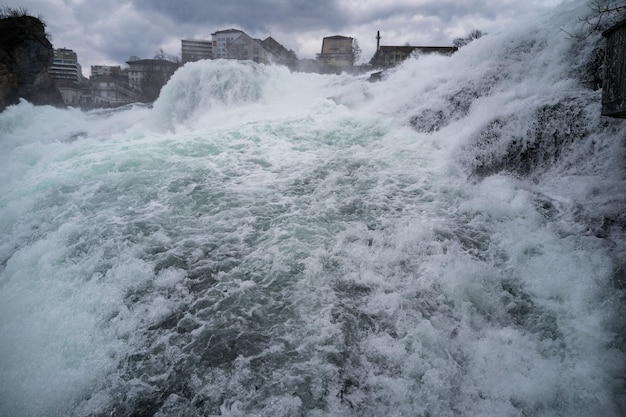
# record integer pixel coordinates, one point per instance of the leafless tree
(473, 35)
(6, 12)
(356, 50)
(602, 15)
(605, 13)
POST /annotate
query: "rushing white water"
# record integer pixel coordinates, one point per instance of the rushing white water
(446, 242)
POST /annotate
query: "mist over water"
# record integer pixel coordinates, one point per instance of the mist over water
(446, 242)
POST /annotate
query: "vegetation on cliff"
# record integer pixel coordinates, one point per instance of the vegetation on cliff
(26, 54)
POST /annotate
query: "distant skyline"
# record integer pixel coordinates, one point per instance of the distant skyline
(109, 32)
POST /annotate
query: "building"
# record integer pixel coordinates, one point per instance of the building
(280, 54)
(109, 86)
(195, 50)
(307, 65)
(68, 77)
(97, 70)
(236, 44)
(140, 70)
(337, 53)
(148, 76)
(614, 82)
(65, 66)
(389, 56)
(247, 48)
(74, 95)
(267, 51)
(221, 40)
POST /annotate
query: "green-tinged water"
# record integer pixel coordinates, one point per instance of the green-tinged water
(271, 251)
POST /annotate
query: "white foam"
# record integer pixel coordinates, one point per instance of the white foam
(346, 217)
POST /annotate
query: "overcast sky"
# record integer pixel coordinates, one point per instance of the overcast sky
(108, 32)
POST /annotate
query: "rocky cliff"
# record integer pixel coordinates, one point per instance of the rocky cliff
(25, 57)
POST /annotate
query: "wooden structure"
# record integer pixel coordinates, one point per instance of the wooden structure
(614, 83)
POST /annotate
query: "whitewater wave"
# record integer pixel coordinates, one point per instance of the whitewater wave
(209, 92)
(448, 241)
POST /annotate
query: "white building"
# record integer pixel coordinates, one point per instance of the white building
(222, 40)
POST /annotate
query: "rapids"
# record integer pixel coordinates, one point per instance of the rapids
(446, 242)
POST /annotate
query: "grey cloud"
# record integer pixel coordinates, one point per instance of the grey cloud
(253, 16)
(112, 30)
(443, 10)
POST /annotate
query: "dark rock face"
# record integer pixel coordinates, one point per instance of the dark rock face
(25, 57)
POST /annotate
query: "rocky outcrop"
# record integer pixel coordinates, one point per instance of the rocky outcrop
(25, 57)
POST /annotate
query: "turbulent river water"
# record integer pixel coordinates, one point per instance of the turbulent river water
(448, 241)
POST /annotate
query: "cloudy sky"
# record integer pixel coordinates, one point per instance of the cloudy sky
(108, 32)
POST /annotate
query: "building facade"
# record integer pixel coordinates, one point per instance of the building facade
(65, 66)
(247, 48)
(280, 54)
(389, 56)
(148, 76)
(97, 70)
(195, 50)
(68, 77)
(109, 87)
(221, 40)
(337, 53)
(142, 69)
(236, 44)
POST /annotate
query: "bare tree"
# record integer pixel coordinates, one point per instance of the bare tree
(160, 54)
(6, 12)
(602, 15)
(473, 35)
(356, 50)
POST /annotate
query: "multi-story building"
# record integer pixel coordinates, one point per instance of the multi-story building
(74, 95)
(245, 47)
(280, 54)
(98, 70)
(68, 76)
(337, 53)
(221, 40)
(236, 44)
(195, 50)
(389, 56)
(149, 75)
(109, 86)
(65, 66)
